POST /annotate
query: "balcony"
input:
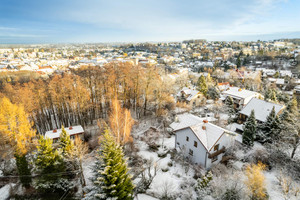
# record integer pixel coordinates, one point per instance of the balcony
(212, 155)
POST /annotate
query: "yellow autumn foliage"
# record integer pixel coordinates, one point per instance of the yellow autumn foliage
(256, 181)
(120, 122)
(15, 126)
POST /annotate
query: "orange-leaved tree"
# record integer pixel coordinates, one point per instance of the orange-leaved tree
(120, 122)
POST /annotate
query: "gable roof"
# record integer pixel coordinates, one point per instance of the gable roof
(261, 108)
(238, 92)
(73, 131)
(184, 121)
(210, 136)
(191, 92)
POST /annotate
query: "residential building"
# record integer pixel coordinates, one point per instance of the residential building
(261, 108)
(72, 131)
(240, 96)
(191, 96)
(201, 141)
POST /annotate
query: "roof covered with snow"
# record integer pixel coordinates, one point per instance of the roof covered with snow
(261, 109)
(184, 121)
(72, 130)
(210, 135)
(239, 92)
(191, 92)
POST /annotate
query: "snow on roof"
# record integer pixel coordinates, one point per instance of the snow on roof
(280, 81)
(188, 91)
(209, 136)
(73, 131)
(184, 121)
(261, 109)
(238, 92)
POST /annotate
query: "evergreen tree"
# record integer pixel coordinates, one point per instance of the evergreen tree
(250, 130)
(238, 62)
(230, 109)
(113, 179)
(202, 86)
(212, 93)
(49, 163)
(267, 94)
(270, 129)
(23, 169)
(291, 126)
(65, 142)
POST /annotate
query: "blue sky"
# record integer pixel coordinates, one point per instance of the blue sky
(64, 21)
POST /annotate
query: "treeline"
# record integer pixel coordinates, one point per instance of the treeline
(85, 94)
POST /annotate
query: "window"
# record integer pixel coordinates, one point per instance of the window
(178, 143)
(216, 148)
(195, 144)
(187, 138)
(191, 152)
(214, 159)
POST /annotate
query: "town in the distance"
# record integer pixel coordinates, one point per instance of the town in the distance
(197, 119)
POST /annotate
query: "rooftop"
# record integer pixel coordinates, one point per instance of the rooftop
(72, 130)
(261, 109)
(239, 92)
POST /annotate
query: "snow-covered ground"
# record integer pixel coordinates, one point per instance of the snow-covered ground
(5, 191)
(144, 197)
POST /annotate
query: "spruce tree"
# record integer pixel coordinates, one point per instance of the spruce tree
(202, 86)
(65, 143)
(270, 129)
(113, 179)
(23, 169)
(230, 109)
(250, 130)
(49, 164)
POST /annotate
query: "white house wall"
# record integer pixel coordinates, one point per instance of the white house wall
(226, 141)
(199, 152)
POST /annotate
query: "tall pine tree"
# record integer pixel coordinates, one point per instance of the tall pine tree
(23, 169)
(113, 179)
(291, 126)
(250, 130)
(270, 130)
(49, 164)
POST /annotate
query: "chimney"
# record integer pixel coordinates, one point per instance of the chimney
(55, 130)
(205, 121)
(70, 128)
(176, 119)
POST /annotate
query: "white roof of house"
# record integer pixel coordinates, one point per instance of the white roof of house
(210, 135)
(261, 109)
(207, 137)
(239, 93)
(280, 81)
(188, 91)
(184, 121)
(73, 131)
